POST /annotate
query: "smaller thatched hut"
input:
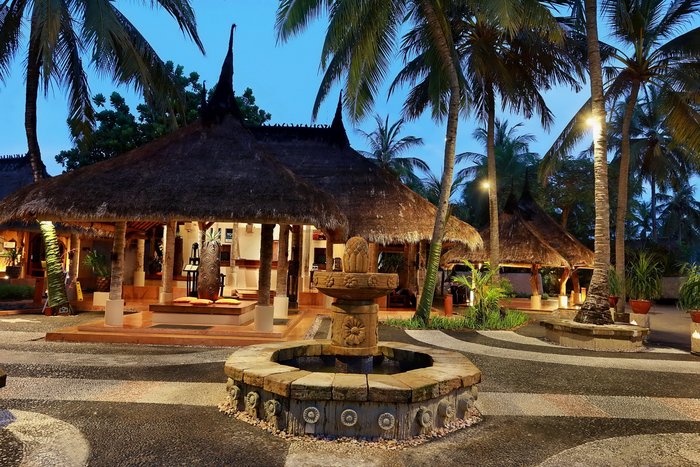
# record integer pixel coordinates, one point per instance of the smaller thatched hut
(521, 246)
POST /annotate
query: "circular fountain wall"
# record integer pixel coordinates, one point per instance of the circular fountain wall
(431, 388)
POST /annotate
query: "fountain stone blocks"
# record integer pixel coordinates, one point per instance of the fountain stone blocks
(424, 389)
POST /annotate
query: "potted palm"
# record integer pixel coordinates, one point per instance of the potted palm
(100, 266)
(13, 256)
(689, 292)
(643, 282)
(614, 283)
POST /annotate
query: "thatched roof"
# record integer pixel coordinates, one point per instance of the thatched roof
(575, 252)
(520, 245)
(378, 206)
(211, 171)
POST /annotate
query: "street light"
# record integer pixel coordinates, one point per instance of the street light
(485, 185)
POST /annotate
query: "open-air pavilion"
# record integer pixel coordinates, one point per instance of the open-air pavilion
(521, 246)
(216, 170)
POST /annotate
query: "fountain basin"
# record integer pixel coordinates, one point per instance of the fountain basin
(397, 406)
(355, 286)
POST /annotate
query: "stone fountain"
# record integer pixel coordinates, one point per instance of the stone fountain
(352, 385)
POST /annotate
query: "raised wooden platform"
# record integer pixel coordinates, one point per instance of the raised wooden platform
(185, 313)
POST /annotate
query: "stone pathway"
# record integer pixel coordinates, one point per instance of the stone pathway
(75, 404)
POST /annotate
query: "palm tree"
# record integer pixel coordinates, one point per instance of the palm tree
(359, 45)
(653, 54)
(512, 153)
(514, 67)
(360, 40)
(640, 221)
(387, 149)
(58, 33)
(596, 309)
(664, 162)
(680, 214)
(431, 187)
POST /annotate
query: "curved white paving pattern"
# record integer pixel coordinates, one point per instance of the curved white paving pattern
(47, 441)
(24, 357)
(514, 337)
(677, 449)
(440, 339)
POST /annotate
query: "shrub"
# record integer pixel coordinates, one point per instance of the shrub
(16, 292)
(689, 293)
(644, 277)
(492, 320)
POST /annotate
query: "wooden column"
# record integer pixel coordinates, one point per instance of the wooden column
(294, 267)
(373, 257)
(411, 267)
(114, 307)
(282, 262)
(329, 253)
(576, 286)
(168, 261)
(563, 280)
(265, 272)
(140, 272)
(535, 279)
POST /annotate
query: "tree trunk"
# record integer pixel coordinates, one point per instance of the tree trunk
(282, 263)
(565, 211)
(494, 253)
(58, 298)
(654, 234)
(596, 309)
(265, 271)
(622, 196)
(443, 40)
(117, 278)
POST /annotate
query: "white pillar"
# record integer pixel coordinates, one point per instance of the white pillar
(114, 307)
(166, 294)
(281, 300)
(140, 273)
(305, 265)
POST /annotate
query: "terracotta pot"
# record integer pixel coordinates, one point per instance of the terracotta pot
(612, 300)
(695, 316)
(448, 305)
(102, 284)
(640, 307)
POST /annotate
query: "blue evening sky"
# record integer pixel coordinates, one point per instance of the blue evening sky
(284, 78)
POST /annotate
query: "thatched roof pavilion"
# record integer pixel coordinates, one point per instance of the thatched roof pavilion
(211, 170)
(575, 252)
(378, 206)
(520, 244)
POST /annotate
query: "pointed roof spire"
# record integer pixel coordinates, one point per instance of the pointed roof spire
(337, 126)
(223, 100)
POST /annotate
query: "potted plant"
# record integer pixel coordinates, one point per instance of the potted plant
(100, 266)
(13, 257)
(643, 282)
(614, 283)
(689, 292)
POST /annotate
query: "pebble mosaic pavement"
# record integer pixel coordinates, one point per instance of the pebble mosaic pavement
(47, 415)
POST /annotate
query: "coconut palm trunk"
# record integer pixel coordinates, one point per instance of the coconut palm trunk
(622, 196)
(265, 271)
(58, 298)
(495, 255)
(596, 309)
(654, 233)
(441, 35)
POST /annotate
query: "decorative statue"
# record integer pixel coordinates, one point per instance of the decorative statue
(209, 267)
